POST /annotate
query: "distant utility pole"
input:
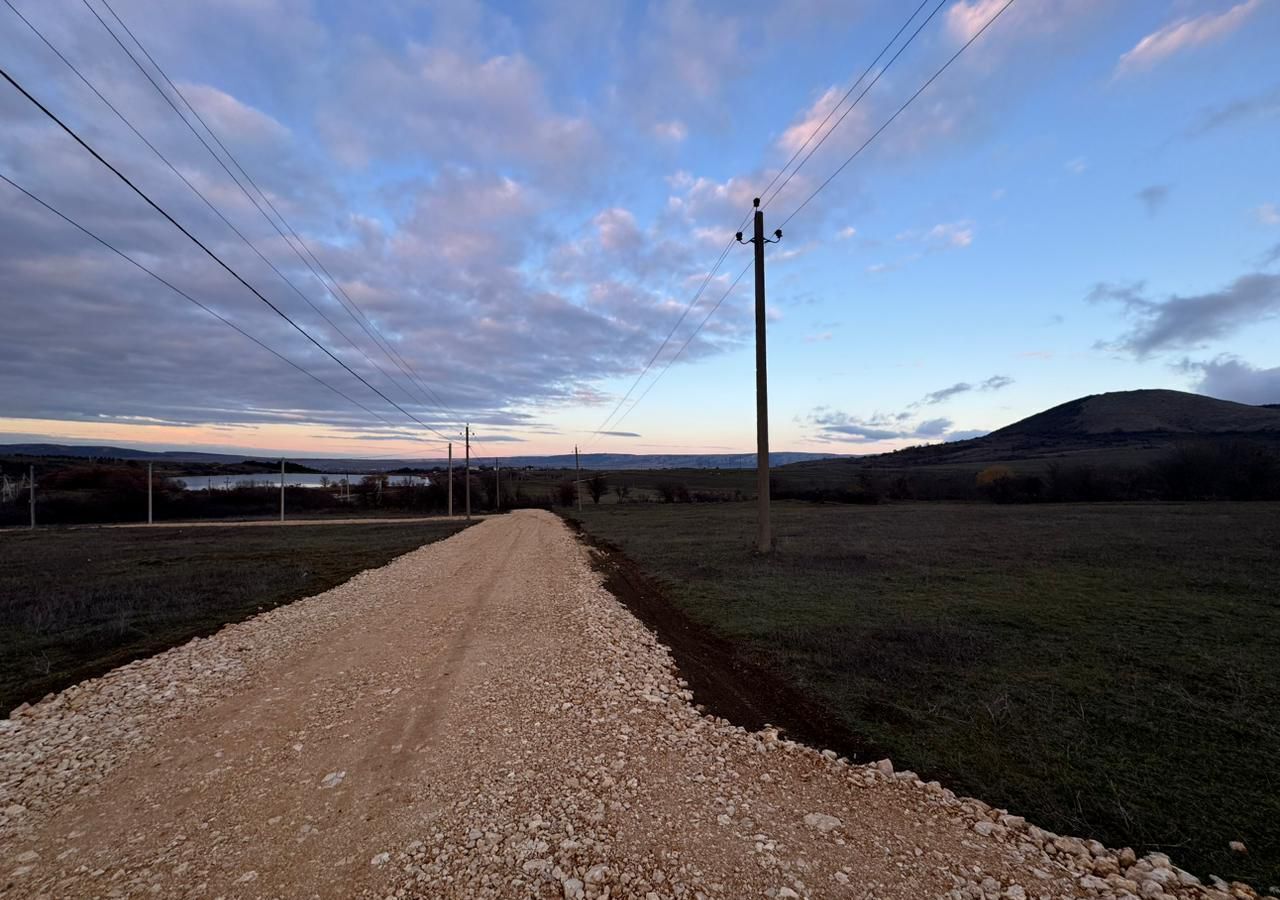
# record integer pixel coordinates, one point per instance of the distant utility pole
(577, 481)
(467, 490)
(764, 535)
(31, 493)
(149, 518)
(282, 489)
(451, 479)
(497, 486)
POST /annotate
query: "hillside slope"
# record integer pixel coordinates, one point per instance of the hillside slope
(1145, 412)
(1118, 429)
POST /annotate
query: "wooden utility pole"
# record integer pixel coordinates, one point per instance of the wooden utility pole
(451, 479)
(282, 489)
(497, 486)
(31, 493)
(467, 489)
(149, 518)
(577, 481)
(764, 534)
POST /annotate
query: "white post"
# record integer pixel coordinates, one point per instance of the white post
(282, 489)
(149, 518)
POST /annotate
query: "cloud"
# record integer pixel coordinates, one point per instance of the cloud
(936, 239)
(1154, 197)
(939, 396)
(846, 232)
(835, 426)
(994, 383)
(1260, 106)
(1230, 378)
(456, 105)
(852, 130)
(672, 130)
(1186, 321)
(1184, 34)
(629, 434)
(933, 427)
(966, 17)
(1267, 214)
(235, 122)
(953, 234)
(1077, 166)
(817, 338)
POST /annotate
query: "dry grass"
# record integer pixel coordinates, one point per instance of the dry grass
(77, 603)
(1105, 669)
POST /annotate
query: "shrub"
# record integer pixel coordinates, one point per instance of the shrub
(566, 493)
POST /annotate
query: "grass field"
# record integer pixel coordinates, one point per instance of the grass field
(77, 603)
(1106, 670)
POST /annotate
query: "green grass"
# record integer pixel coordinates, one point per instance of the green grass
(76, 603)
(1106, 670)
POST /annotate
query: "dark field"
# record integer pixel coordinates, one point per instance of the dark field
(77, 603)
(1107, 670)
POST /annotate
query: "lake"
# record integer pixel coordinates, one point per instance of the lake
(291, 479)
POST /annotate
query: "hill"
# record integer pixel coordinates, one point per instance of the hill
(1145, 412)
(1122, 430)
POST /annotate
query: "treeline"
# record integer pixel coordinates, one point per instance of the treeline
(1195, 470)
(1210, 470)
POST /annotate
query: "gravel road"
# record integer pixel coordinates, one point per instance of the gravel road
(479, 718)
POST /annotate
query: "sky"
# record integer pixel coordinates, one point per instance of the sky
(517, 202)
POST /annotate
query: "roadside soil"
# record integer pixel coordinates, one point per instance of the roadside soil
(748, 690)
(480, 718)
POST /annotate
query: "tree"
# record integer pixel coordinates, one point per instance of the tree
(598, 484)
(622, 491)
(566, 493)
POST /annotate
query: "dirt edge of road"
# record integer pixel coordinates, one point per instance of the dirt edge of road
(750, 692)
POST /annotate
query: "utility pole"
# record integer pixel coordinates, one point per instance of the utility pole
(497, 486)
(149, 519)
(764, 535)
(282, 489)
(467, 491)
(577, 481)
(31, 492)
(451, 479)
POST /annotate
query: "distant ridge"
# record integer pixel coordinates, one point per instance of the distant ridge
(611, 461)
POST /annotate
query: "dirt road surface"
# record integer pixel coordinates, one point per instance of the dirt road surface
(479, 718)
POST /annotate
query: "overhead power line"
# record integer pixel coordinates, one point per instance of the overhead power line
(907, 43)
(177, 290)
(195, 240)
(865, 144)
(207, 202)
(667, 340)
(729, 244)
(711, 312)
(363, 321)
(889, 121)
(853, 87)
